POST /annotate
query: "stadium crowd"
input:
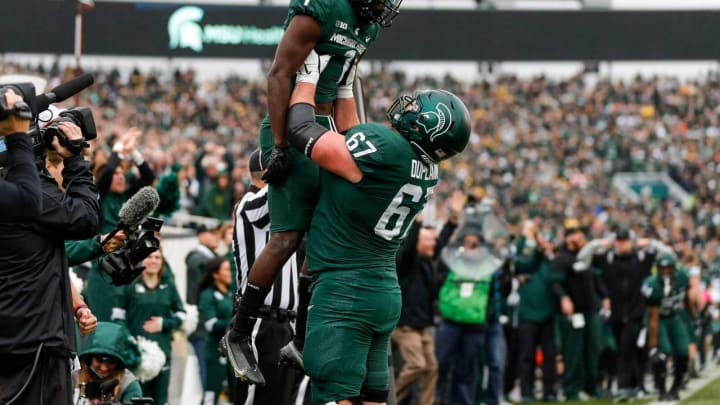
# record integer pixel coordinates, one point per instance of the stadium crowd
(542, 151)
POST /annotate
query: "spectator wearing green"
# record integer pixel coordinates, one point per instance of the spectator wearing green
(537, 309)
(109, 353)
(215, 307)
(152, 308)
(115, 190)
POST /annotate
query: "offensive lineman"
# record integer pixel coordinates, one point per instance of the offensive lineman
(375, 181)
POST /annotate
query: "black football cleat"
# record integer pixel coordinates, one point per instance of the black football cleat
(291, 356)
(242, 358)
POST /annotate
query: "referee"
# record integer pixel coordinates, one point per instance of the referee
(273, 328)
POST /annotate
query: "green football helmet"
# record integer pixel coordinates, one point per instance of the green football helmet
(376, 11)
(665, 260)
(435, 122)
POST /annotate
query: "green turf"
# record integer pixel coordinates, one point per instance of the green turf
(708, 395)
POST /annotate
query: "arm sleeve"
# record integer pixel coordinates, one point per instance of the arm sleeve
(408, 250)
(526, 263)
(315, 9)
(74, 214)
(444, 237)
(585, 256)
(133, 390)
(600, 286)
(20, 195)
(178, 312)
(194, 273)
(369, 147)
(147, 177)
(80, 251)
(105, 177)
(661, 248)
(558, 270)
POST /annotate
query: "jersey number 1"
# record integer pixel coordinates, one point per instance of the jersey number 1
(399, 212)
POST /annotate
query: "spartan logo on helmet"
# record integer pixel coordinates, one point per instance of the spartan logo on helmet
(440, 119)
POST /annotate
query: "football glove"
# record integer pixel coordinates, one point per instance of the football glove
(312, 68)
(279, 165)
(345, 89)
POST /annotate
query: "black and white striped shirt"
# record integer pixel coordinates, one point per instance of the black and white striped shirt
(251, 233)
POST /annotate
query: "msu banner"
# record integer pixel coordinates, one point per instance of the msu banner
(226, 31)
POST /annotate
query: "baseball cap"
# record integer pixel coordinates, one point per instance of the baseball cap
(622, 234)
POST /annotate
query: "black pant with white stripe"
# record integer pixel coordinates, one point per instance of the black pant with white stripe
(270, 334)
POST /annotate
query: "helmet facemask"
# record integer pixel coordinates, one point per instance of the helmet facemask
(377, 11)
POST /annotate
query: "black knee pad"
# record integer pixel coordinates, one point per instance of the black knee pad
(374, 396)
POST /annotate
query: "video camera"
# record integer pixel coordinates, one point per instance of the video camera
(102, 392)
(32, 105)
(123, 265)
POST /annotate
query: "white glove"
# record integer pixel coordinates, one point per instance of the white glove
(312, 68)
(345, 89)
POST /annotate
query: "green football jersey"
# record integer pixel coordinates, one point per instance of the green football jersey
(670, 299)
(360, 226)
(343, 37)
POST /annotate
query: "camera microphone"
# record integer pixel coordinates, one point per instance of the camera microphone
(135, 210)
(64, 91)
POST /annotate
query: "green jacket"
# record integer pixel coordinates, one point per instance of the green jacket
(215, 203)
(537, 302)
(114, 340)
(136, 303)
(81, 251)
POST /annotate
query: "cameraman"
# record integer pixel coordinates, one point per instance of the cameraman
(37, 335)
(20, 191)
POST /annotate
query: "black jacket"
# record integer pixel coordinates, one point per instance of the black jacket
(418, 278)
(623, 276)
(20, 197)
(35, 298)
(583, 287)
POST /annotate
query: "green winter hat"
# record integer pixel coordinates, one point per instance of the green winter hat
(111, 339)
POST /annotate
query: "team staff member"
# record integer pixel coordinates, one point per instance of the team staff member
(375, 181)
(152, 308)
(215, 308)
(666, 296)
(580, 323)
(339, 33)
(624, 264)
(37, 334)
